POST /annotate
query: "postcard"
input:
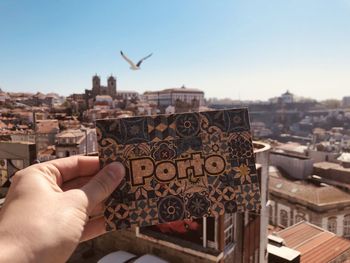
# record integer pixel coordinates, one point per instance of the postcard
(179, 166)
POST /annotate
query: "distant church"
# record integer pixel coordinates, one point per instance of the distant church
(98, 89)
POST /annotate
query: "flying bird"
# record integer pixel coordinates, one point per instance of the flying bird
(132, 64)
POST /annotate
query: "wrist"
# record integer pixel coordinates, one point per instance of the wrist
(13, 248)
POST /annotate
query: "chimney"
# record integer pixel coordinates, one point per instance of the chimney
(279, 253)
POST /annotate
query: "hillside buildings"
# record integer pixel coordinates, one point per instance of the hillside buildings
(309, 181)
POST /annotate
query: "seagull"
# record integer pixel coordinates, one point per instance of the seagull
(132, 64)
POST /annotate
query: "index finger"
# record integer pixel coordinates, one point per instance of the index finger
(73, 167)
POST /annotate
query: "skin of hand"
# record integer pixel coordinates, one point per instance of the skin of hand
(52, 206)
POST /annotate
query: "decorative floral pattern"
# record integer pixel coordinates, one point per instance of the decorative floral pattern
(240, 146)
(171, 208)
(176, 139)
(216, 143)
(230, 206)
(187, 125)
(197, 205)
(163, 151)
(243, 173)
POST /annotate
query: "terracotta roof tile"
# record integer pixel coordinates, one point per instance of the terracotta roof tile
(47, 126)
(298, 234)
(326, 251)
(315, 244)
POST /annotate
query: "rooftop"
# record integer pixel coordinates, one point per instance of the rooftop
(292, 155)
(47, 126)
(344, 157)
(306, 193)
(183, 89)
(12, 142)
(70, 133)
(292, 147)
(329, 165)
(103, 97)
(47, 151)
(126, 91)
(284, 252)
(287, 93)
(315, 244)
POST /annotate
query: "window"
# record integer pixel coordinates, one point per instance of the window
(271, 219)
(346, 226)
(229, 229)
(283, 218)
(299, 218)
(332, 224)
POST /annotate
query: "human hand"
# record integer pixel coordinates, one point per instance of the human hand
(47, 209)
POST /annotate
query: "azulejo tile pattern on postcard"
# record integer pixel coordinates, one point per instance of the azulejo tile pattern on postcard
(179, 166)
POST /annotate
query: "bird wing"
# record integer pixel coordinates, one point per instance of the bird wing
(128, 60)
(141, 60)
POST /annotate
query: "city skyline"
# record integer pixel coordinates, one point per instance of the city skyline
(229, 49)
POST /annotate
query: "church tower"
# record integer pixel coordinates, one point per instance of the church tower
(96, 85)
(112, 87)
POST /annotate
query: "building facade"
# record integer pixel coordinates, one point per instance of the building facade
(174, 96)
(294, 201)
(98, 89)
(346, 101)
(335, 172)
(296, 166)
(128, 95)
(74, 142)
(46, 131)
(287, 97)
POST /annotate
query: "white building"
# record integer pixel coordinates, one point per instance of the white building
(103, 102)
(3, 97)
(297, 166)
(346, 101)
(127, 95)
(287, 97)
(78, 141)
(168, 97)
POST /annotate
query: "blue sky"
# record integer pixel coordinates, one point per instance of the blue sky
(237, 49)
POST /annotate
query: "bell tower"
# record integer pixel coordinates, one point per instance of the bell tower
(96, 85)
(112, 86)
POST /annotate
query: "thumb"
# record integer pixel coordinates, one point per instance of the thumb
(103, 184)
